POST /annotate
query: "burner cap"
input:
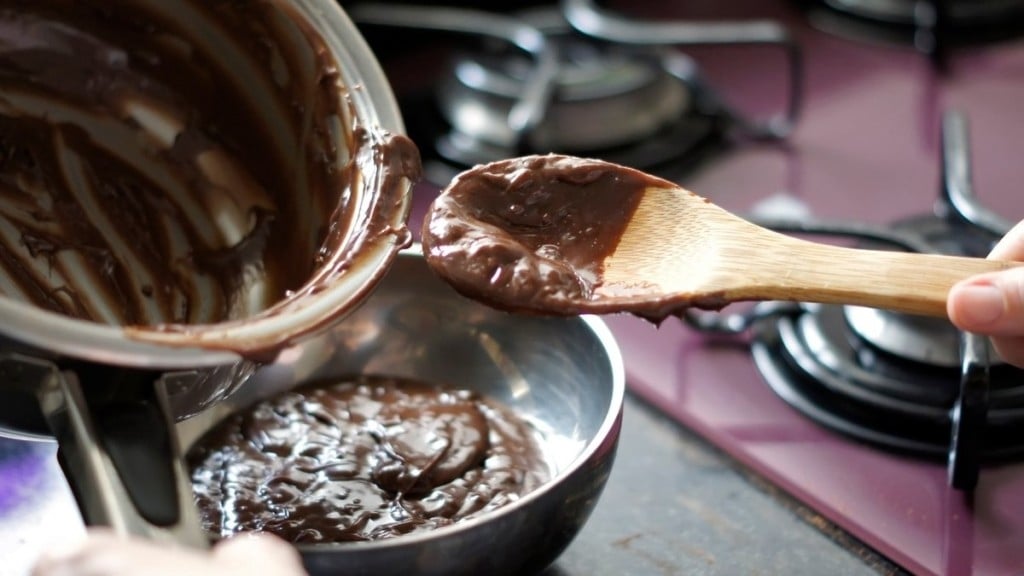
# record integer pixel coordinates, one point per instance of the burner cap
(932, 341)
(631, 95)
(630, 91)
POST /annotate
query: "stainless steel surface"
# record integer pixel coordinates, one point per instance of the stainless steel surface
(587, 17)
(525, 110)
(564, 375)
(102, 492)
(922, 339)
(120, 454)
(479, 101)
(88, 367)
(957, 186)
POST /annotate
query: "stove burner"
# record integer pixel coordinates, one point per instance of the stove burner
(962, 14)
(932, 26)
(890, 379)
(577, 80)
(628, 105)
(887, 378)
(819, 365)
(911, 384)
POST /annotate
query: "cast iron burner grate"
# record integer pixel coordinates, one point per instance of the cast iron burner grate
(931, 26)
(910, 384)
(577, 80)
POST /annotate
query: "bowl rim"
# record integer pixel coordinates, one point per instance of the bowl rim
(608, 427)
(374, 104)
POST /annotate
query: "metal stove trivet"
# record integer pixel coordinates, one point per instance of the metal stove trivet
(910, 384)
(933, 27)
(579, 80)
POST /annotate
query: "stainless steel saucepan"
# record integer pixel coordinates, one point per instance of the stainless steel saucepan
(109, 395)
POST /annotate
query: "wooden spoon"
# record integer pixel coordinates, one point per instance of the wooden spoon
(562, 235)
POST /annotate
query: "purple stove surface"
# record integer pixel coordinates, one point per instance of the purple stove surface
(866, 150)
(900, 506)
(37, 510)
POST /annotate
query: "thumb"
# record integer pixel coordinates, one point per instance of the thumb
(258, 554)
(990, 304)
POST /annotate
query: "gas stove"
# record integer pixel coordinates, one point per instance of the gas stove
(884, 124)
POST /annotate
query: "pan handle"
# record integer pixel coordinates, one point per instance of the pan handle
(118, 449)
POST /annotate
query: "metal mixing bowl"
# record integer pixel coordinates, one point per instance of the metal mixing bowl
(565, 375)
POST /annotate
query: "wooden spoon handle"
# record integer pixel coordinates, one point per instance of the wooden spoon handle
(900, 281)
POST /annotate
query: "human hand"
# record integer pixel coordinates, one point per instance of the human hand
(104, 553)
(993, 304)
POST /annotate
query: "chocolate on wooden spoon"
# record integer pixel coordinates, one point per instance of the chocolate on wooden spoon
(563, 235)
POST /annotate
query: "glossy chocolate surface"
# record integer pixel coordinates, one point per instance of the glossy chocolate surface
(363, 459)
(531, 233)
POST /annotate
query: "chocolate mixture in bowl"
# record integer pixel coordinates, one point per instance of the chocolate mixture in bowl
(363, 459)
(171, 163)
